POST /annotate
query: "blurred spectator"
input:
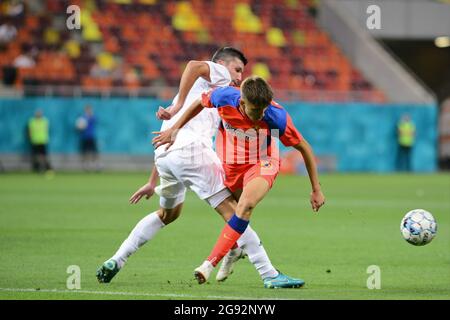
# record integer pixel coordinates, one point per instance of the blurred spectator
(131, 77)
(24, 60)
(9, 75)
(36, 7)
(15, 8)
(444, 135)
(38, 131)
(406, 132)
(86, 125)
(7, 33)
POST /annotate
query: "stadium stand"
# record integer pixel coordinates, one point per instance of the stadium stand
(133, 44)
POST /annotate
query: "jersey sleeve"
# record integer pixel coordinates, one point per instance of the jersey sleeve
(291, 136)
(220, 97)
(219, 74)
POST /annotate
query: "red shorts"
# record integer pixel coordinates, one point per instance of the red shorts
(238, 175)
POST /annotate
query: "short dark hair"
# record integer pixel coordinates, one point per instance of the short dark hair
(257, 91)
(228, 52)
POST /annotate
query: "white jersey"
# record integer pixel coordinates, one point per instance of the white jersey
(202, 127)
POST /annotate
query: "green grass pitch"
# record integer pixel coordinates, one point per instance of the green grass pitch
(47, 225)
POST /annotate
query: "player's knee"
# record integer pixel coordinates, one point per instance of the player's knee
(167, 216)
(245, 206)
(227, 208)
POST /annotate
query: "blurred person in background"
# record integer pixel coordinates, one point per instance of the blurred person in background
(7, 34)
(25, 59)
(444, 135)
(86, 125)
(14, 8)
(406, 134)
(38, 133)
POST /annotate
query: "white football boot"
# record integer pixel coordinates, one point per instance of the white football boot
(226, 268)
(203, 272)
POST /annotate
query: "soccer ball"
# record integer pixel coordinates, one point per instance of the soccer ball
(418, 227)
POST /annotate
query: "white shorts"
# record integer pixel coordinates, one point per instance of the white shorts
(194, 166)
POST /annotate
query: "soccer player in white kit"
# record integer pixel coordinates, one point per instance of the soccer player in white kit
(192, 163)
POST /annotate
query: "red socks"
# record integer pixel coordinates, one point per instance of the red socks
(227, 239)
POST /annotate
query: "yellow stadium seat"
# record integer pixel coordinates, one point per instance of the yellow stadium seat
(91, 31)
(262, 70)
(148, 2)
(245, 20)
(185, 19)
(106, 61)
(123, 1)
(51, 36)
(203, 36)
(299, 38)
(293, 4)
(72, 48)
(89, 5)
(275, 37)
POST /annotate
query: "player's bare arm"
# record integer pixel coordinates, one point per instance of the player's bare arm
(147, 189)
(317, 198)
(168, 136)
(193, 71)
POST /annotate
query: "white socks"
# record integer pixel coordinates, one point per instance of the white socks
(252, 246)
(142, 232)
(149, 226)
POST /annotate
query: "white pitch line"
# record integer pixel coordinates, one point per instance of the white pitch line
(118, 293)
(173, 295)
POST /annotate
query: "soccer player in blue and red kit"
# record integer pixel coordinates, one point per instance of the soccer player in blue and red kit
(251, 122)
